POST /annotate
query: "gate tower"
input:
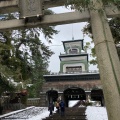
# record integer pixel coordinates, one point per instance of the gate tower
(74, 60)
(73, 75)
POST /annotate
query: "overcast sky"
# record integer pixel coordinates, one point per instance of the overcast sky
(66, 32)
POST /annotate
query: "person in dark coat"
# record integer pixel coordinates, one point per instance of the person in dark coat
(51, 108)
(62, 108)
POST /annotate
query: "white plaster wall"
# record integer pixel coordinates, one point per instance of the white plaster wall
(72, 65)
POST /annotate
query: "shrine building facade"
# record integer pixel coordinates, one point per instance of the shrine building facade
(74, 73)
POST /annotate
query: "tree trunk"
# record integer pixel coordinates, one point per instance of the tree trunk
(108, 62)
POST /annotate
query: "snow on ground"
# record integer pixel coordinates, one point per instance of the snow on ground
(96, 113)
(92, 113)
(72, 103)
(42, 115)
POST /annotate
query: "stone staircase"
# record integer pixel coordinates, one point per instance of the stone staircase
(74, 113)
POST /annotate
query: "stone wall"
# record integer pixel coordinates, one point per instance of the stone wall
(33, 102)
(61, 86)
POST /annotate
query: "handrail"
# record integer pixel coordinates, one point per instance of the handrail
(15, 112)
(24, 113)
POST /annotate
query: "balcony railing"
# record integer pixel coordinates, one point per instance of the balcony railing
(81, 72)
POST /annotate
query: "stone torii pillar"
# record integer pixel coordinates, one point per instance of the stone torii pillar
(107, 58)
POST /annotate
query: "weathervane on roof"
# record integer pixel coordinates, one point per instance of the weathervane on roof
(72, 37)
(72, 33)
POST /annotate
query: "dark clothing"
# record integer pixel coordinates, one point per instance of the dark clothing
(51, 108)
(62, 108)
(1, 110)
(57, 109)
(50, 113)
(62, 111)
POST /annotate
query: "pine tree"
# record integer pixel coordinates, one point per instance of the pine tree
(20, 57)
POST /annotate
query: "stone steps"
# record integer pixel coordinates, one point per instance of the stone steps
(70, 114)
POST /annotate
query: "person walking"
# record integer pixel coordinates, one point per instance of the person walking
(57, 106)
(51, 108)
(62, 108)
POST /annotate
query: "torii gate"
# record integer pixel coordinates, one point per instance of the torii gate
(104, 45)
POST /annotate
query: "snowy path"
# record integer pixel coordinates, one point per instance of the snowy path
(38, 113)
(93, 113)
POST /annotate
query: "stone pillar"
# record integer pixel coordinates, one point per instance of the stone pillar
(107, 58)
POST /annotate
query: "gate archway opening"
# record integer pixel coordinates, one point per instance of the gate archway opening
(52, 95)
(97, 95)
(73, 93)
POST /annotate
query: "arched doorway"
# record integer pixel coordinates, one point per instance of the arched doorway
(73, 93)
(52, 95)
(97, 95)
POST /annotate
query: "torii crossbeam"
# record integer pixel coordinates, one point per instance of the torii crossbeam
(57, 19)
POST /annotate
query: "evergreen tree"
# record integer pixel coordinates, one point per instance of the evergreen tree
(114, 24)
(20, 56)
